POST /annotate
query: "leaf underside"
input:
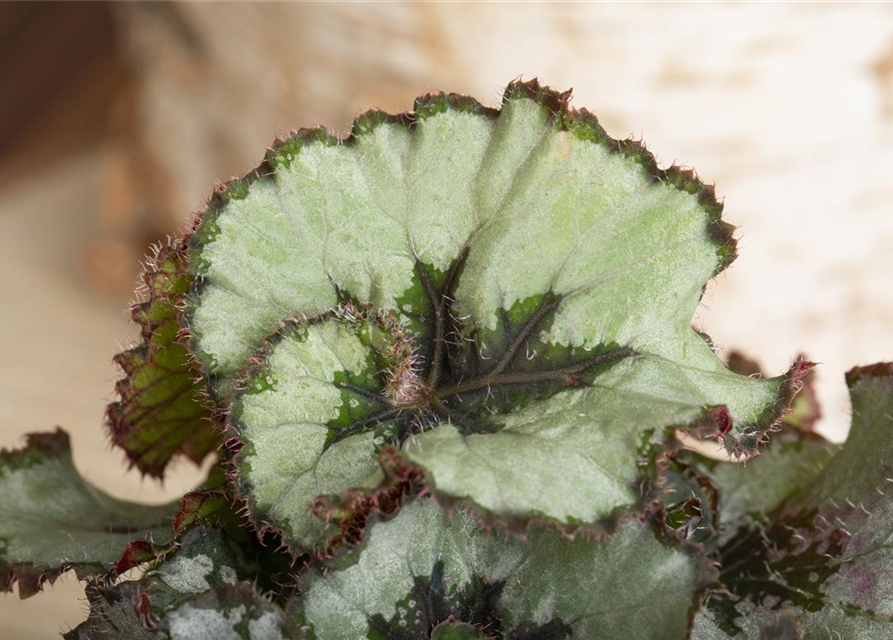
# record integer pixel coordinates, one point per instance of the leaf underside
(161, 413)
(505, 296)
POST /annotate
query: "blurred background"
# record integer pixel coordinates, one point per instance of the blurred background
(116, 120)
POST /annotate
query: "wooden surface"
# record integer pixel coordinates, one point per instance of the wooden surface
(788, 108)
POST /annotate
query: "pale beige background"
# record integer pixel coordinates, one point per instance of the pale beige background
(788, 108)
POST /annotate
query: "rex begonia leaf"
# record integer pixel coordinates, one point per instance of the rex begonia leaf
(537, 280)
(747, 490)
(770, 625)
(201, 590)
(825, 555)
(424, 567)
(303, 421)
(205, 559)
(52, 520)
(211, 504)
(752, 490)
(160, 413)
(231, 612)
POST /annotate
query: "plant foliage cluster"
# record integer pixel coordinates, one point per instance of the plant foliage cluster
(444, 366)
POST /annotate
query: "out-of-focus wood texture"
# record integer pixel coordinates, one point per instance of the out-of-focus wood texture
(788, 108)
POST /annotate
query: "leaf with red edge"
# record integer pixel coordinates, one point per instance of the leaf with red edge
(52, 520)
(505, 296)
(197, 508)
(161, 412)
(177, 598)
(824, 556)
(422, 568)
(805, 409)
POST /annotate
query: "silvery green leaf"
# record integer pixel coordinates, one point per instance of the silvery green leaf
(823, 557)
(52, 520)
(424, 567)
(534, 280)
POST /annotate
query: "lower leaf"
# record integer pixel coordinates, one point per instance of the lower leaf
(205, 589)
(824, 556)
(52, 520)
(423, 568)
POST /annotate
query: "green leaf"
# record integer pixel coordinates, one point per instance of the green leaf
(713, 499)
(160, 413)
(752, 490)
(204, 579)
(824, 555)
(805, 408)
(422, 568)
(52, 520)
(299, 418)
(768, 624)
(543, 275)
(211, 505)
(232, 612)
(205, 559)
